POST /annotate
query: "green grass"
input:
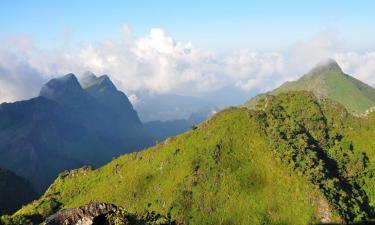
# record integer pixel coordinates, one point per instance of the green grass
(221, 173)
(289, 161)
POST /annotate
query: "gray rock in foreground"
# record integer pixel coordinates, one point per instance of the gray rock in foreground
(90, 214)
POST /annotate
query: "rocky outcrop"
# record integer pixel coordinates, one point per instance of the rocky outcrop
(90, 214)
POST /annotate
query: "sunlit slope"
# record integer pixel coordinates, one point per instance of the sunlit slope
(293, 160)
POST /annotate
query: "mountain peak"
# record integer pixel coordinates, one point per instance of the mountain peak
(86, 77)
(68, 79)
(106, 82)
(62, 87)
(327, 65)
(90, 81)
(327, 80)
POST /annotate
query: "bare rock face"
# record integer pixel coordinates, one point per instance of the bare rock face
(90, 214)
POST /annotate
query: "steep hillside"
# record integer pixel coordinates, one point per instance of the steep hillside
(14, 192)
(328, 80)
(295, 159)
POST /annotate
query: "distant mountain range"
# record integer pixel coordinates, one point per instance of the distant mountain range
(327, 80)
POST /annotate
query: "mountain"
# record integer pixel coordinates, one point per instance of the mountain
(116, 111)
(106, 93)
(294, 159)
(66, 127)
(14, 192)
(328, 80)
(66, 91)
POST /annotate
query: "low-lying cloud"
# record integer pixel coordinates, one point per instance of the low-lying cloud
(160, 64)
(18, 79)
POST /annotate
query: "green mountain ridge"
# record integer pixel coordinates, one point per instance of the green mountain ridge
(295, 159)
(328, 80)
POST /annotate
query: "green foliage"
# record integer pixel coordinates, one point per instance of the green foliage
(121, 217)
(301, 139)
(15, 220)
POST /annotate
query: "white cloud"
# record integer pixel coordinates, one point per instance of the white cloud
(251, 70)
(158, 63)
(360, 65)
(18, 80)
(134, 99)
(309, 52)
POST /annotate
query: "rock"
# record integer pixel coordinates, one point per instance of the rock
(90, 214)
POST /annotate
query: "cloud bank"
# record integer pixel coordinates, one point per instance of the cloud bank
(159, 64)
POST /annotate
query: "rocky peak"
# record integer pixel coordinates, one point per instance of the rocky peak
(329, 65)
(61, 88)
(101, 83)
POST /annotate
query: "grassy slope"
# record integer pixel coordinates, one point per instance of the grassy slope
(270, 165)
(221, 173)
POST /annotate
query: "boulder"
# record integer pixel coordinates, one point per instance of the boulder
(90, 214)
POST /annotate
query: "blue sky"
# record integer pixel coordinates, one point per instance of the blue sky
(258, 25)
(200, 48)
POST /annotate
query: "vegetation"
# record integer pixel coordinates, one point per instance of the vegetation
(121, 217)
(307, 139)
(295, 159)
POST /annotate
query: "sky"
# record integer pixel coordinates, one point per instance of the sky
(181, 47)
(258, 25)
